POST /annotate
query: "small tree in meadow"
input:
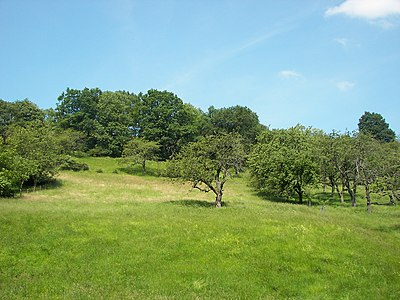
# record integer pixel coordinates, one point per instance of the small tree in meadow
(209, 162)
(138, 151)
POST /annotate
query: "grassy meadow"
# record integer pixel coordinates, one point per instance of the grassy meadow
(106, 234)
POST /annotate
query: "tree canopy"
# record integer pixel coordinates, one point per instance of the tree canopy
(238, 119)
(139, 151)
(209, 162)
(375, 125)
(283, 162)
(164, 118)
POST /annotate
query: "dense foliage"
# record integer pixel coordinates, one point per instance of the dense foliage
(164, 118)
(284, 163)
(374, 124)
(205, 146)
(209, 162)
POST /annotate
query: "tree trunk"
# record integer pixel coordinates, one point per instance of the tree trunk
(300, 194)
(144, 167)
(218, 199)
(352, 191)
(391, 200)
(340, 192)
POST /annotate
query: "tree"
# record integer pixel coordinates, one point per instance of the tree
(209, 162)
(116, 122)
(282, 163)
(368, 163)
(9, 174)
(164, 118)
(6, 118)
(375, 125)
(37, 153)
(77, 109)
(341, 156)
(20, 113)
(237, 119)
(388, 181)
(138, 151)
(325, 147)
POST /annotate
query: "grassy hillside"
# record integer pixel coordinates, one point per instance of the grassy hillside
(108, 235)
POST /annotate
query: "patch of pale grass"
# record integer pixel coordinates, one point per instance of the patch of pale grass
(110, 188)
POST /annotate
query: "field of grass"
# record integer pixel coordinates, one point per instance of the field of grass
(105, 234)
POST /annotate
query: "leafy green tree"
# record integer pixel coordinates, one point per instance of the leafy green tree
(164, 118)
(375, 125)
(368, 163)
(77, 109)
(6, 118)
(325, 146)
(388, 181)
(20, 113)
(338, 159)
(283, 162)
(70, 141)
(26, 112)
(116, 122)
(209, 162)
(9, 176)
(237, 119)
(37, 152)
(139, 151)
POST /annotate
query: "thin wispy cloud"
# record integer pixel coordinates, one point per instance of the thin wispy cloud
(342, 41)
(218, 57)
(289, 74)
(345, 86)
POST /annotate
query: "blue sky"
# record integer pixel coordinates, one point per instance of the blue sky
(320, 63)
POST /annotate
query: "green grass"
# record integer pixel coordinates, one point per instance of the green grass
(119, 236)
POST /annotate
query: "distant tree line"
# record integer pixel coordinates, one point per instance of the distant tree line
(205, 148)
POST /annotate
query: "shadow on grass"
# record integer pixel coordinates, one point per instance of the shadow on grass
(312, 200)
(332, 200)
(138, 171)
(51, 185)
(195, 203)
(277, 199)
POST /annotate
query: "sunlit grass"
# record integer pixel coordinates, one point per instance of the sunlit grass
(117, 236)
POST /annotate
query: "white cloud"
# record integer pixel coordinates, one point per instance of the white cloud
(366, 9)
(344, 86)
(287, 74)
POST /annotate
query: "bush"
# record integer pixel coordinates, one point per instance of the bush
(73, 165)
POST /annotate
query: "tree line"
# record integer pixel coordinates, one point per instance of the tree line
(138, 127)
(205, 148)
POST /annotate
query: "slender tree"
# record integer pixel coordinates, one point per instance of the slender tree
(139, 151)
(209, 163)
